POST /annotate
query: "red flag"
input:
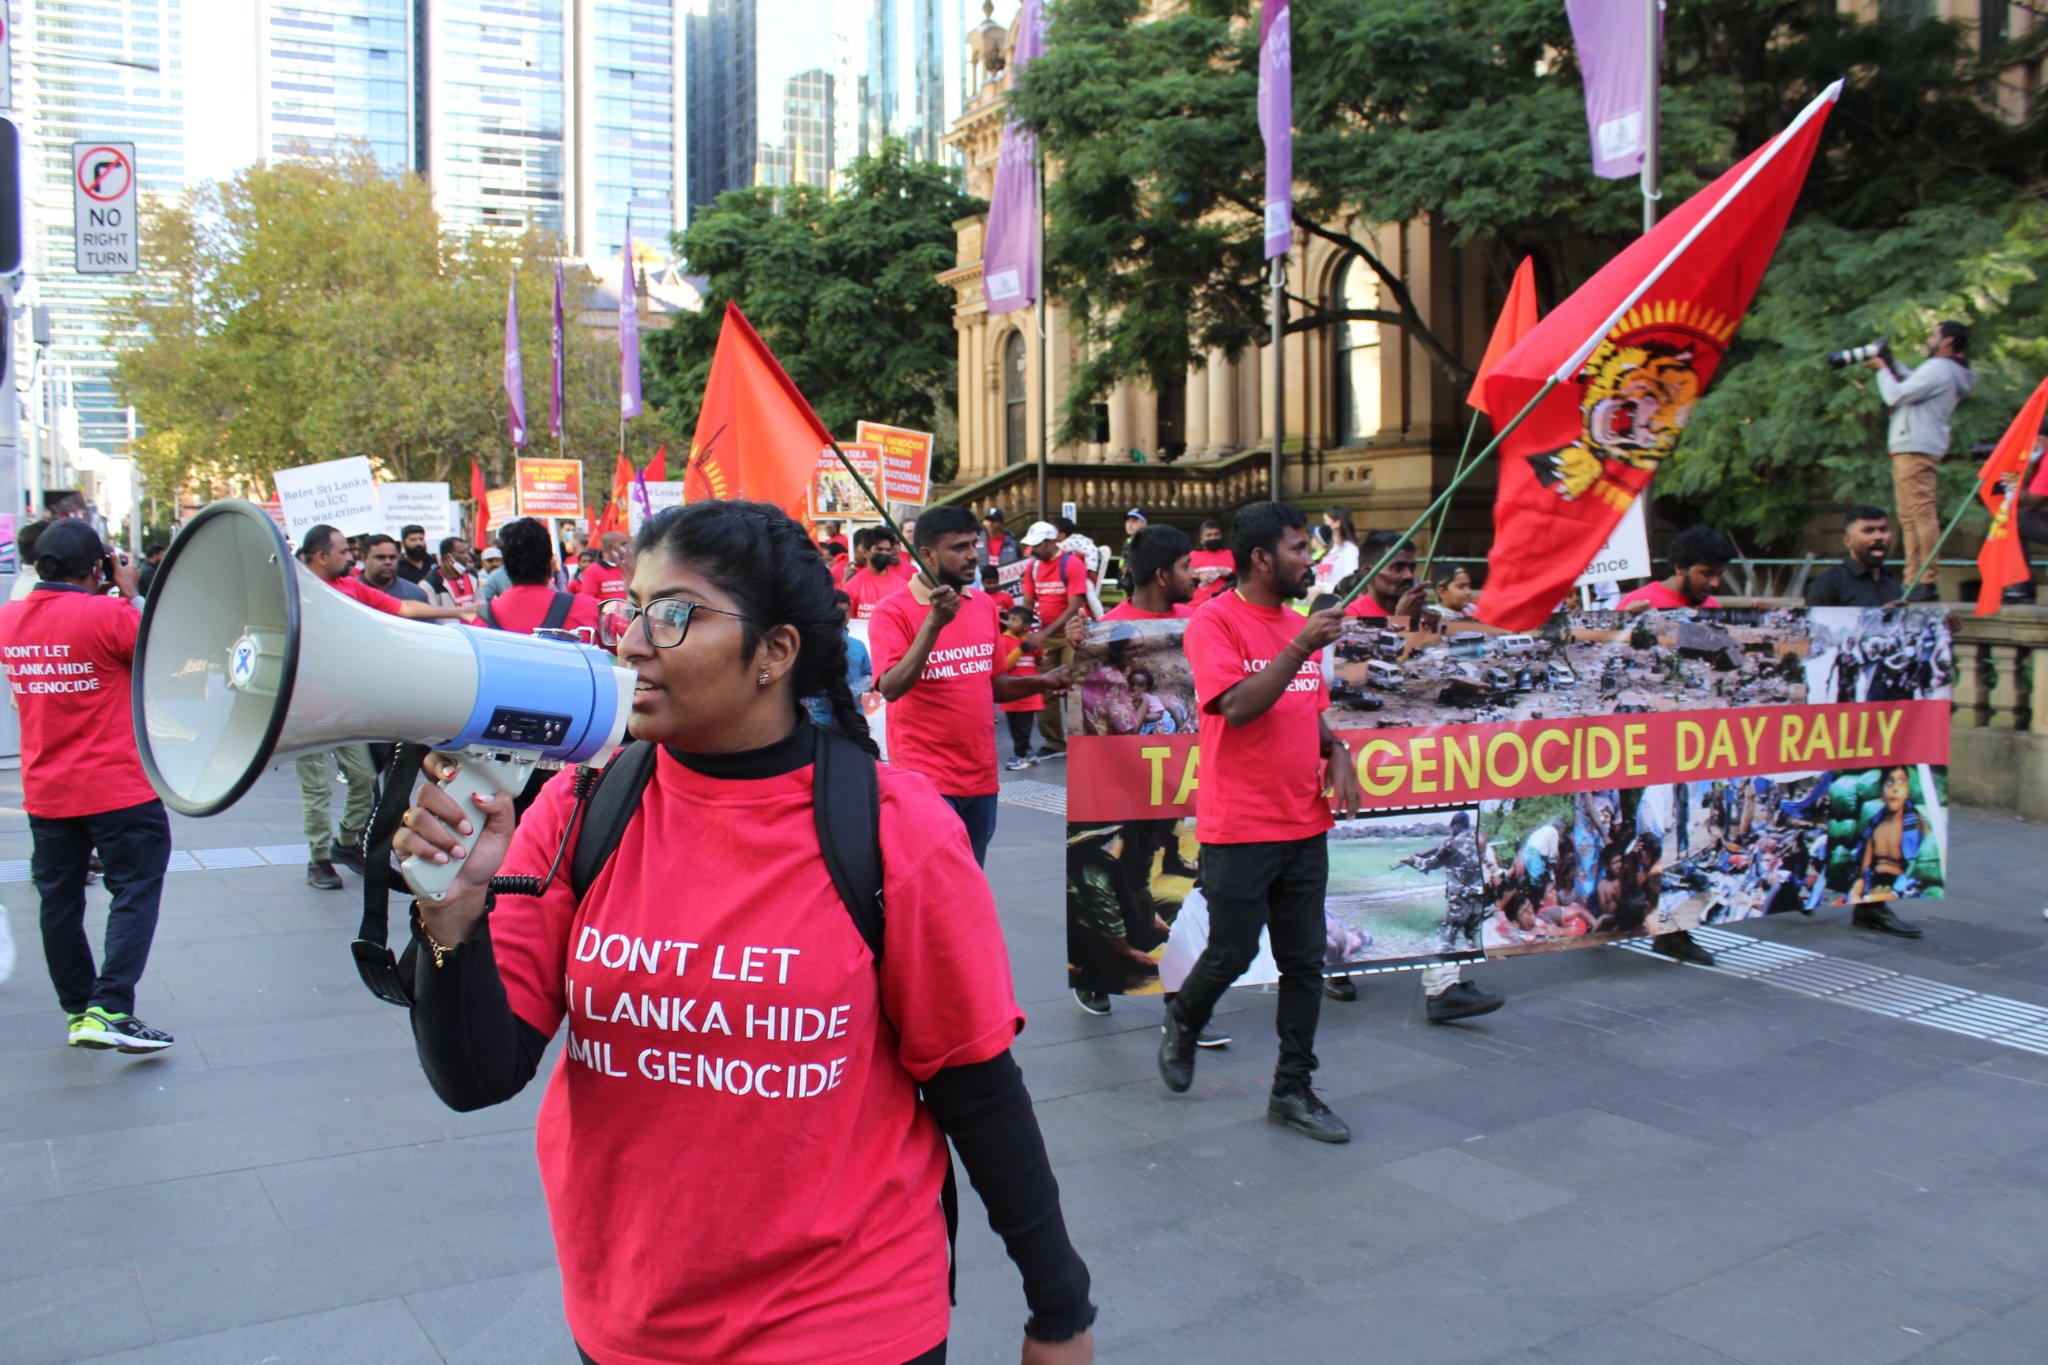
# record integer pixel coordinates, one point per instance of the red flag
(1632, 351)
(657, 468)
(2003, 560)
(1517, 319)
(483, 506)
(614, 518)
(756, 436)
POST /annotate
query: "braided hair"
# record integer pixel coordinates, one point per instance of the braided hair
(761, 558)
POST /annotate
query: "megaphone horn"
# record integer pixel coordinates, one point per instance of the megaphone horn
(245, 657)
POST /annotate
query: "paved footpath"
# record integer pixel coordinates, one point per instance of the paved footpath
(1799, 1160)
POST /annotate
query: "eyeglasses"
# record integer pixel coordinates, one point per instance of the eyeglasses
(667, 620)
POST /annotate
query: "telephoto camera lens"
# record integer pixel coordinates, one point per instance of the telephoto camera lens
(1880, 349)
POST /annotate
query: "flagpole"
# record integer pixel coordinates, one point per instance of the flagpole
(1652, 112)
(1038, 291)
(882, 510)
(1436, 532)
(1934, 555)
(1443, 499)
(1279, 275)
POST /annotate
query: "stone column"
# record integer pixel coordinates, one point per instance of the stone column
(1197, 427)
(1222, 416)
(1123, 424)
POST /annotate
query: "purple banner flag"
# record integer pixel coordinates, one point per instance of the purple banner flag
(555, 360)
(1276, 123)
(1610, 35)
(1010, 257)
(515, 377)
(629, 331)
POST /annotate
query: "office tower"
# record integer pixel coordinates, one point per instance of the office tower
(626, 134)
(337, 73)
(720, 61)
(804, 155)
(494, 93)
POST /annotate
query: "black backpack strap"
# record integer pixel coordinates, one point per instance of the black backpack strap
(558, 611)
(611, 809)
(846, 803)
(371, 949)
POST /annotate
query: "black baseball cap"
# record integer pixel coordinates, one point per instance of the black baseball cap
(73, 544)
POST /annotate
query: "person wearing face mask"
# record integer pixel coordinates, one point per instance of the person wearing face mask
(1211, 562)
(753, 1174)
(605, 580)
(879, 578)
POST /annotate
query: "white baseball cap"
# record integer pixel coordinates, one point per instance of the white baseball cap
(1040, 532)
(493, 552)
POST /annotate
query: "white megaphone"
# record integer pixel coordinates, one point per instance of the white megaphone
(245, 657)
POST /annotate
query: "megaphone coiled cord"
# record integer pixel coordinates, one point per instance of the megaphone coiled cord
(586, 783)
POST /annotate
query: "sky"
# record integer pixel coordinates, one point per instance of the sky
(220, 91)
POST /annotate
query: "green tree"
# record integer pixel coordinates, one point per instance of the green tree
(842, 286)
(1468, 111)
(312, 309)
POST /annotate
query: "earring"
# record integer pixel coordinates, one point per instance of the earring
(762, 681)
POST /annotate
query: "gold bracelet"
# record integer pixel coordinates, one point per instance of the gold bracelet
(439, 950)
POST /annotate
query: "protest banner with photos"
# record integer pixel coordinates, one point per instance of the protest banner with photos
(906, 459)
(1606, 777)
(339, 493)
(835, 494)
(424, 505)
(550, 488)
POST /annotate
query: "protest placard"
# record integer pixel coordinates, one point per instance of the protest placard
(906, 459)
(338, 493)
(424, 505)
(550, 488)
(502, 504)
(661, 493)
(1626, 553)
(834, 493)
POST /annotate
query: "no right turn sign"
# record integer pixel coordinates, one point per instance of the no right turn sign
(103, 208)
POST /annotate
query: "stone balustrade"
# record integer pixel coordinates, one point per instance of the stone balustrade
(1999, 749)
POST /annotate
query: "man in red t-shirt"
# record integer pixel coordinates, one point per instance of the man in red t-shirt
(68, 649)
(326, 553)
(532, 602)
(882, 576)
(1162, 586)
(1261, 812)
(1055, 587)
(605, 581)
(935, 659)
(1210, 562)
(1699, 556)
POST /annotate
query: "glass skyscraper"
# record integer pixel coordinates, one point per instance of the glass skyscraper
(495, 99)
(336, 73)
(628, 124)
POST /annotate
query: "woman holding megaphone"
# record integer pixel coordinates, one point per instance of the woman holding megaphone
(744, 1142)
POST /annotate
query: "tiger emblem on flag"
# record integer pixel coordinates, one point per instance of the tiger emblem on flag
(1638, 390)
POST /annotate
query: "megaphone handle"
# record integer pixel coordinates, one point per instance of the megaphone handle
(476, 771)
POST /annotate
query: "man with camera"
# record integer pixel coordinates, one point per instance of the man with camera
(69, 649)
(1920, 402)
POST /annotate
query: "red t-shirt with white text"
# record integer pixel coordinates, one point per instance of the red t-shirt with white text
(1049, 584)
(867, 590)
(737, 1165)
(941, 727)
(68, 653)
(1127, 610)
(524, 606)
(1661, 598)
(602, 582)
(1260, 782)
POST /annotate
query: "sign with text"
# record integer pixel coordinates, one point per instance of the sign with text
(105, 235)
(835, 494)
(661, 494)
(424, 505)
(338, 493)
(1626, 553)
(550, 488)
(503, 505)
(906, 461)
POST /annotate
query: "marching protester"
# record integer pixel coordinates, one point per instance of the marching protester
(1014, 660)
(1920, 402)
(769, 1188)
(998, 547)
(604, 579)
(414, 561)
(1211, 562)
(1699, 556)
(1261, 814)
(1859, 580)
(452, 583)
(325, 552)
(383, 569)
(492, 566)
(1394, 593)
(1162, 584)
(69, 650)
(1055, 587)
(1340, 559)
(935, 656)
(879, 576)
(531, 601)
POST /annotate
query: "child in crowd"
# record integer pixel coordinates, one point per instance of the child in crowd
(992, 584)
(1013, 657)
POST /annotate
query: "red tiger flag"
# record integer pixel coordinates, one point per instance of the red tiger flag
(481, 498)
(615, 506)
(1517, 319)
(756, 436)
(2003, 559)
(1630, 352)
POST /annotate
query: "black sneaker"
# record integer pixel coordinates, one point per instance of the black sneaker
(1298, 1108)
(1881, 918)
(1176, 1055)
(1462, 1000)
(351, 857)
(1680, 946)
(1091, 1002)
(1210, 1036)
(1340, 988)
(97, 1028)
(321, 876)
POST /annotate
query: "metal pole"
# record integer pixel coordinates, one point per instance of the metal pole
(882, 511)
(1279, 369)
(1652, 75)
(1934, 555)
(1436, 532)
(1044, 395)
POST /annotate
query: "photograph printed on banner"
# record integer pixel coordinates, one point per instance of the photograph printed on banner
(1867, 654)
(1134, 681)
(1430, 670)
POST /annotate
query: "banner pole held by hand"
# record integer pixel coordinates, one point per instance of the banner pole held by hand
(883, 512)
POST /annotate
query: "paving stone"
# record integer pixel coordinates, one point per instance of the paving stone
(385, 1332)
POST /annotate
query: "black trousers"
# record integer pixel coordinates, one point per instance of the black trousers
(1020, 723)
(134, 844)
(1279, 887)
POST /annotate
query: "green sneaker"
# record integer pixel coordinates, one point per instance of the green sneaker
(97, 1028)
